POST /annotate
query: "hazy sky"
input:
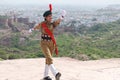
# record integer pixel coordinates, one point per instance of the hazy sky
(60, 2)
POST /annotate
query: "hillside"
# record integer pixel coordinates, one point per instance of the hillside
(100, 41)
(96, 42)
(71, 69)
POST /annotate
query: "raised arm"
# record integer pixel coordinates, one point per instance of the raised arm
(37, 27)
(57, 22)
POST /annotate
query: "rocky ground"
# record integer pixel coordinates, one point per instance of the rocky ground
(71, 69)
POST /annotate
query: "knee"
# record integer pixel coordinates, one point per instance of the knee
(49, 61)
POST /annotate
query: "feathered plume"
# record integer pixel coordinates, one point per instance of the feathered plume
(50, 7)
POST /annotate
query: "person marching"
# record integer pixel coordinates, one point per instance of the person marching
(48, 43)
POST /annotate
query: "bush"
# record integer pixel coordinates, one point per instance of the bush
(14, 56)
(3, 55)
(15, 41)
(1, 59)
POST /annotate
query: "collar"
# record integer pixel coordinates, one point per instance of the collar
(48, 23)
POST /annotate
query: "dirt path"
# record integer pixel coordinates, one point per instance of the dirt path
(71, 69)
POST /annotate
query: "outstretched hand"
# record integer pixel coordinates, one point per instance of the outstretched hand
(63, 14)
(30, 30)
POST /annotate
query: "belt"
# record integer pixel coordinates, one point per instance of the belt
(45, 37)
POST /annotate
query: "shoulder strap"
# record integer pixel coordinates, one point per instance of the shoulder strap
(44, 26)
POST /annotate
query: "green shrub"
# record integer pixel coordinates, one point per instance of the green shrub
(1, 59)
(3, 55)
(14, 56)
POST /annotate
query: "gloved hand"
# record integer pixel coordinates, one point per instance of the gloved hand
(30, 30)
(63, 14)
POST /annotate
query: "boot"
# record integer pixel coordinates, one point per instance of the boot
(47, 78)
(58, 75)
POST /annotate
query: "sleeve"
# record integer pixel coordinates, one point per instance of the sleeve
(37, 26)
(56, 23)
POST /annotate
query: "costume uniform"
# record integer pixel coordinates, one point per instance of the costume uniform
(47, 45)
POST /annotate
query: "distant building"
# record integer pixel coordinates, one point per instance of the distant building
(31, 25)
(23, 20)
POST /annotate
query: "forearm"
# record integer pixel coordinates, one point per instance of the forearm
(57, 22)
(37, 27)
